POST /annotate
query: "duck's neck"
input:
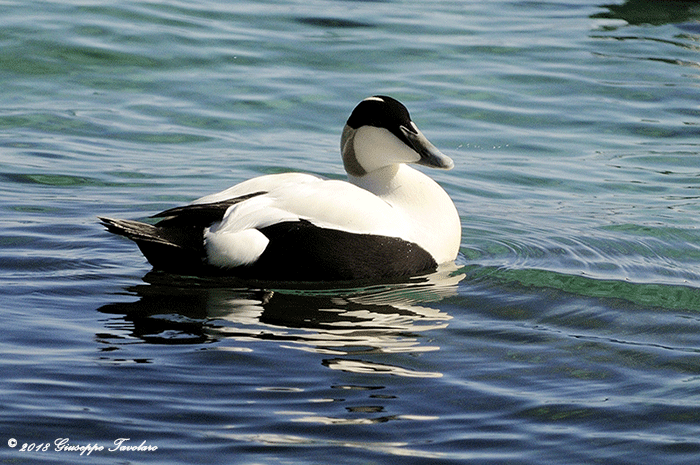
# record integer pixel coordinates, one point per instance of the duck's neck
(382, 182)
(404, 187)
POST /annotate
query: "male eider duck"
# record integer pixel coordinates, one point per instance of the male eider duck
(388, 221)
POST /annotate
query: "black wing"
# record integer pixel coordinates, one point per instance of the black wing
(199, 215)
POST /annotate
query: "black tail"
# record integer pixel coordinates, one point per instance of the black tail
(136, 231)
(176, 242)
(167, 248)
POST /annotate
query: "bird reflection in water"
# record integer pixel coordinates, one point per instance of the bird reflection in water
(376, 318)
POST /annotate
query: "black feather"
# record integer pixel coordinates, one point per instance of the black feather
(202, 215)
(175, 243)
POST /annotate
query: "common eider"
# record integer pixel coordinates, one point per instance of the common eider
(387, 221)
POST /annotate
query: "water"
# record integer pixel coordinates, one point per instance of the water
(568, 331)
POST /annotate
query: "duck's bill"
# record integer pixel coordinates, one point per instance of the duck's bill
(429, 154)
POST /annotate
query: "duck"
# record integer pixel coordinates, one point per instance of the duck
(387, 221)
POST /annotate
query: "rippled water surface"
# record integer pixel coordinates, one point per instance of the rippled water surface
(568, 331)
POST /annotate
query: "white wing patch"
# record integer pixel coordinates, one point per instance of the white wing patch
(233, 249)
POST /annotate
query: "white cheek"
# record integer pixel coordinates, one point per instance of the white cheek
(377, 147)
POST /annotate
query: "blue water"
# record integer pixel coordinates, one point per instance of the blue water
(568, 331)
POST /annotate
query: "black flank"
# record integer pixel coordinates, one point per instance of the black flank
(300, 251)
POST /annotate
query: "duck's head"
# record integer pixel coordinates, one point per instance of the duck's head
(380, 133)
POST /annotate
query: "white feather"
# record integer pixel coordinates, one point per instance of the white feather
(377, 147)
(264, 183)
(234, 248)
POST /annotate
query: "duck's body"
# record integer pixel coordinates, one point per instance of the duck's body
(389, 220)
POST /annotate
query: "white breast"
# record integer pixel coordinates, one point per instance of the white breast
(430, 217)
